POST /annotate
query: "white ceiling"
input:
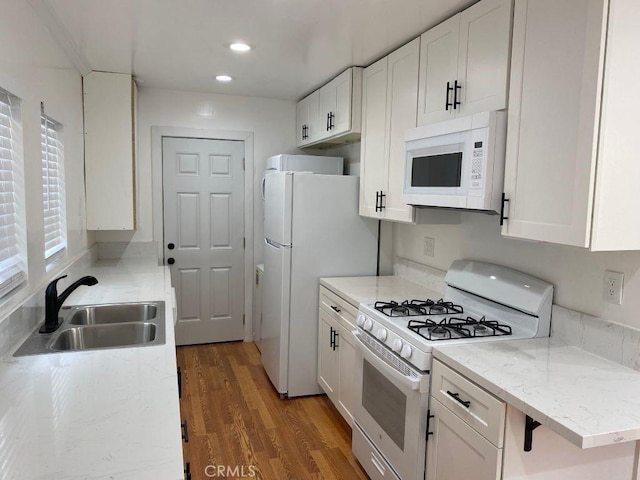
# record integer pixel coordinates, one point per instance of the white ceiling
(299, 44)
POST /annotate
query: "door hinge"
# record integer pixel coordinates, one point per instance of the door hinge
(243, 319)
(244, 242)
(244, 164)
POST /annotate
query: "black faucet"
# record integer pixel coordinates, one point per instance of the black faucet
(53, 302)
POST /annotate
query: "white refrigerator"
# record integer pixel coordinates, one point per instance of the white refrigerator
(302, 163)
(312, 230)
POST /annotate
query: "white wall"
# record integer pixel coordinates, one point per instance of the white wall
(33, 68)
(271, 121)
(576, 273)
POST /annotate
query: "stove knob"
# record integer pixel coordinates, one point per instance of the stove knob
(360, 320)
(397, 345)
(406, 351)
(381, 334)
(368, 324)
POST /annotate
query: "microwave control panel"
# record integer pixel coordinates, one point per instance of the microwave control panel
(477, 166)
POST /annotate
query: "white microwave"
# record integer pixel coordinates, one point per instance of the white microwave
(457, 163)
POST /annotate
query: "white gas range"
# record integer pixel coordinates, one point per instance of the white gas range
(483, 302)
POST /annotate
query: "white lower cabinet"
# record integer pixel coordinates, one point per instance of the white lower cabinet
(336, 351)
(456, 451)
(466, 435)
(328, 365)
(475, 435)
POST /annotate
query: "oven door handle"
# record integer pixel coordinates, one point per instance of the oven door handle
(389, 371)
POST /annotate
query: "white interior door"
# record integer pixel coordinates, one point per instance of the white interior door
(203, 185)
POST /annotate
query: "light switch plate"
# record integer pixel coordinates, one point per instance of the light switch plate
(612, 288)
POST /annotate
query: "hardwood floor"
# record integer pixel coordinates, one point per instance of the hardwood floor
(239, 427)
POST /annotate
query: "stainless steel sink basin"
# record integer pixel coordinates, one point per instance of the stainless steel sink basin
(114, 313)
(104, 336)
(97, 327)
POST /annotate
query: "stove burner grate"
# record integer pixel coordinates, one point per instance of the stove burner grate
(413, 308)
(455, 327)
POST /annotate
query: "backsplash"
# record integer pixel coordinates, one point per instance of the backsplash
(428, 277)
(613, 341)
(21, 322)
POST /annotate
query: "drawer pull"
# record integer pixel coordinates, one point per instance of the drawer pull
(335, 309)
(456, 397)
(185, 432)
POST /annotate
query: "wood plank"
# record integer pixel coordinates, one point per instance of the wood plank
(236, 419)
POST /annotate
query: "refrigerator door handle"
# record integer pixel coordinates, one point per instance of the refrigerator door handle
(276, 244)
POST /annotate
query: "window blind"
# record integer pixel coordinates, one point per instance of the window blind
(55, 229)
(12, 232)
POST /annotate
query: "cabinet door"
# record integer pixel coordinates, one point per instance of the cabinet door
(341, 121)
(483, 60)
(328, 103)
(402, 102)
(347, 360)
(456, 451)
(328, 360)
(335, 105)
(109, 121)
(313, 117)
(438, 65)
(373, 160)
(554, 107)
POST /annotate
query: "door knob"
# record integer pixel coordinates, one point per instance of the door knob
(171, 246)
(171, 260)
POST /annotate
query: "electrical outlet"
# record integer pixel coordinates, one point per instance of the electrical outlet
(612, 289)
(429, 246)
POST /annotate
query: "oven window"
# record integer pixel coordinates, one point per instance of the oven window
(442, 170)
(384, 402)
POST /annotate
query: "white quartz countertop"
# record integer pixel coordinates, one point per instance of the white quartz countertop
(104, 414)
(358, 290)
(586, 399)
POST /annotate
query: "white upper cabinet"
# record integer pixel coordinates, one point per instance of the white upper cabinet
(109, 119)
(307, 117)
(373, 159)
(332, 113)
(438, 71)
(572, 113)
(389, 96)
(464, 63)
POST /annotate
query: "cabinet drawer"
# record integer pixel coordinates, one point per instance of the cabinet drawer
(373, 463)
(481, 410)
(342, 310)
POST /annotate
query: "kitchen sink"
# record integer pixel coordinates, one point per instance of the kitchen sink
(98, 327)
(104, 336)
(114, 313)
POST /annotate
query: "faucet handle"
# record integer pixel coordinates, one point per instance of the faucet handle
(51, 288)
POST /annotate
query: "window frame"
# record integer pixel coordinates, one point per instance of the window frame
(52, 158)
(16, 274)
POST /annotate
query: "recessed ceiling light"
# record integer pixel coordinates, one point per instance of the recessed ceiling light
(240, 47)
(224, 78)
